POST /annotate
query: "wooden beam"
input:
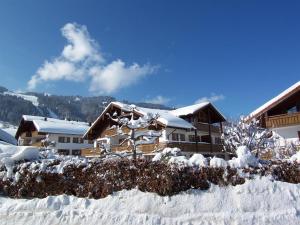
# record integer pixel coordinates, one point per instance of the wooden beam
(209, 130)
(196, 139)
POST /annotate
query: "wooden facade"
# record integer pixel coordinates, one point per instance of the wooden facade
(282, 112)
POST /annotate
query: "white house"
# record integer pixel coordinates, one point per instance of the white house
(63, 135)
(282, 115)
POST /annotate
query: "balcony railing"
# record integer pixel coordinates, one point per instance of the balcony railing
(283, 120)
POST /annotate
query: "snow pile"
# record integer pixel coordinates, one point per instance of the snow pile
(244, 158)
(218, 162)
(258, 201)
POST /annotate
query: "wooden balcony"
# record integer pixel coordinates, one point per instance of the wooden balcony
(204, 127)
(283, 120)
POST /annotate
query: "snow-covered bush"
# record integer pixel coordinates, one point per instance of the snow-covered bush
(166, 154)
(175, 156)
(218, 162)
(248, 134)
(244, 158)
(198, 160)
(295, 157)
(9, 154)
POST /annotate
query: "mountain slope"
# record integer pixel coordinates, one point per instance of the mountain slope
(13, 105)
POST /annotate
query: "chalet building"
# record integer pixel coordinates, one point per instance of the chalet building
(63, 135)
(195, 128)
(6, 138)
(282, 115)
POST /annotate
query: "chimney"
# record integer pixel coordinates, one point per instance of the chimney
(45, 119)
(90, 124)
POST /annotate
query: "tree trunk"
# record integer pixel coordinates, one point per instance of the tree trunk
(134, 146)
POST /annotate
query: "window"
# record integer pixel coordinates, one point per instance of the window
(64, 139)
(182, 137)
(206, 138)
(175, 136)
(299, 135)
(28, 134)
(292, 110)
(75, 140)
(61, 139)
(67, 139)
(193, 139)
(63, 151)
(76, 152)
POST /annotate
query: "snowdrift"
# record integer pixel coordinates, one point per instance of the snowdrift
(258, 201)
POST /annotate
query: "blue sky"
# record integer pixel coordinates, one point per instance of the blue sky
(241, 53)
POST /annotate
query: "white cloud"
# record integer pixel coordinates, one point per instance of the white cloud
(159, 100)
(80, 46)
(212, 98)
(81, 59)
(117, 75)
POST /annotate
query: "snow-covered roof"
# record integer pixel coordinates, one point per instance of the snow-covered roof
(56, 126)
(6, 137)
(282, 96)
(166, 117)
(189, 109)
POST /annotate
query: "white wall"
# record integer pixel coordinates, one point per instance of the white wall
(70, 146)
(289, 134)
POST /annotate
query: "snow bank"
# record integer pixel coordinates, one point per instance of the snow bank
(244, 158)
(257, 201)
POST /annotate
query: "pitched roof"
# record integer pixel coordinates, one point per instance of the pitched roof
(276, 100)
(51, 125)
(191, 109)
(166, 117)
(6, 137)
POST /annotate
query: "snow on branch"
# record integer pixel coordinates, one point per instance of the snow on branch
(139, 132)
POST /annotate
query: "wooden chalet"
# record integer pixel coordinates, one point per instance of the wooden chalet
(193, 129)
(282, 114)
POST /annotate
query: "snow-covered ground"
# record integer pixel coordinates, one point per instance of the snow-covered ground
(259, 201)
